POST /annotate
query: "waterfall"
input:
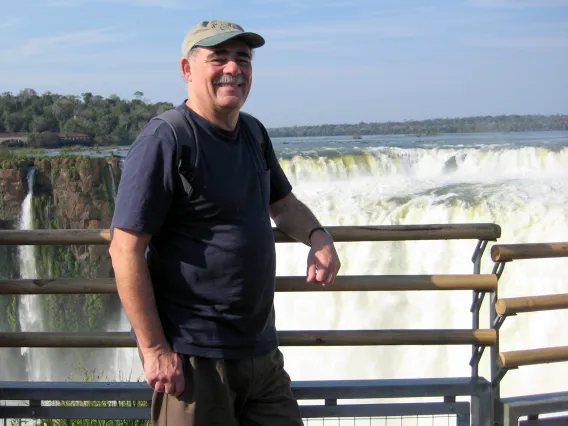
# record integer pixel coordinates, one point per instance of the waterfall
(523, 188)
(29, 306)
(112, 181)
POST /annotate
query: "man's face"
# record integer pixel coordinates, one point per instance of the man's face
(221, 77)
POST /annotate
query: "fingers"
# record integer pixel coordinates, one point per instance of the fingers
(178, 386)
(175, 386)
(166, 375)
(322, 274)
(311, 276)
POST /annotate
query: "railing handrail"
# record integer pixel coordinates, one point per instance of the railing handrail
(514, 359)
(475, 337)
(517, 305)
(478, 282)
(123, 339)
(510, 252)
(480, 231)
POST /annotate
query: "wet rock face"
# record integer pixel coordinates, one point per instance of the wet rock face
(68, 193)
(13, 189)
(77, 190)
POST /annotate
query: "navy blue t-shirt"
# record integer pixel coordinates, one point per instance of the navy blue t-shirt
(212, 254)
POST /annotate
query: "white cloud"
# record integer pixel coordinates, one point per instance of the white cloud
(518, 42)
(307, 37)
(53, 46)
(517, 4)
(306, 4)
(8, 23)
(164, 4)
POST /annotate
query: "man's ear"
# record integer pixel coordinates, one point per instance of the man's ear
(185, 68)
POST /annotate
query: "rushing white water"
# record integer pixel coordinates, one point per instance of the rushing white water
(112, 181)
(29, 309)
(523, 187)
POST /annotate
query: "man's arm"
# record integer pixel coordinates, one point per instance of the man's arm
(135, 288)
(142, 206)
(161, 365)
(295, 219)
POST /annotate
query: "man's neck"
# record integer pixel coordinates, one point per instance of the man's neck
(227, 121)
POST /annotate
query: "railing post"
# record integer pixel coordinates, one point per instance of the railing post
(477, 405)
(497, 413)
(481, 413)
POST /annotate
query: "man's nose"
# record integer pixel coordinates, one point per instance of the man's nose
(232, 67)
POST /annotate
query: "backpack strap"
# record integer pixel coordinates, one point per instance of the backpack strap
(186, 153)
(257, 133)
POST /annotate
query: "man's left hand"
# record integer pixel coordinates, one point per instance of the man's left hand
(323, 261)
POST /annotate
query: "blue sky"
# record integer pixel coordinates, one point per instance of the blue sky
(334, 61)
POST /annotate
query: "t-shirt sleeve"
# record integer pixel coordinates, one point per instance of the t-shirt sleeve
(280, 186)
(146, 185)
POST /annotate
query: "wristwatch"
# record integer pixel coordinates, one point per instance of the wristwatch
(317, 228)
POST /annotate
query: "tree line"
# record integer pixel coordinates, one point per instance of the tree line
(106, 121)
(115, 121)
(479, 124)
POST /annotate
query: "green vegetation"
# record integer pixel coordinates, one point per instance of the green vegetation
(116, 121)
(502, 123)
(107, 121)
(70, 312)
(8, 303)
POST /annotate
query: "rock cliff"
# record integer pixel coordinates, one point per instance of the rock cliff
(68, 192)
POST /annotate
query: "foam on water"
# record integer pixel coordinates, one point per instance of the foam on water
(522, 188)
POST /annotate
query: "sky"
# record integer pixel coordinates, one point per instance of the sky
(324, 61)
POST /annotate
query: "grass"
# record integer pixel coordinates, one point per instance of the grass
(83, 374)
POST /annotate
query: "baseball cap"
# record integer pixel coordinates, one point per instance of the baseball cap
(212, 33)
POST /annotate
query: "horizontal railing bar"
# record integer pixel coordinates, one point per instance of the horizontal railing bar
(514, 359)
(509, 252)
(307, 411)
(515, 305)
(480, 231)
(321, 389)
(58, 412)
(553, 402)
(482, 337)
(477, 282)
(312, 390)
(54, 237)
(550, 421)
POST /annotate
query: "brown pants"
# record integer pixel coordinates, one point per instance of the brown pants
(248, 392)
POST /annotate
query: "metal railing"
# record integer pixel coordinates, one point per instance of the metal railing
(530, 406)
(477, 389)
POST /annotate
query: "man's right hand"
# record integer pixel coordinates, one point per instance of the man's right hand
(164, 371)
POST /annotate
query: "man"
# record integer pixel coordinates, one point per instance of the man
(195, 271)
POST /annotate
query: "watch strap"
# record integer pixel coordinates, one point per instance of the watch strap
(317, 228)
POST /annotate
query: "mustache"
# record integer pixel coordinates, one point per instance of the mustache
(229, 79)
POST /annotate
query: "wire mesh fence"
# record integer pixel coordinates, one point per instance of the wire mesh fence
(438, 420)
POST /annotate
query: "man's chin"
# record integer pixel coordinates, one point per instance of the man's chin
(232, 104)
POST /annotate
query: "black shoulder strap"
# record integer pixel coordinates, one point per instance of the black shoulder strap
(186, 153)
(254, 126)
